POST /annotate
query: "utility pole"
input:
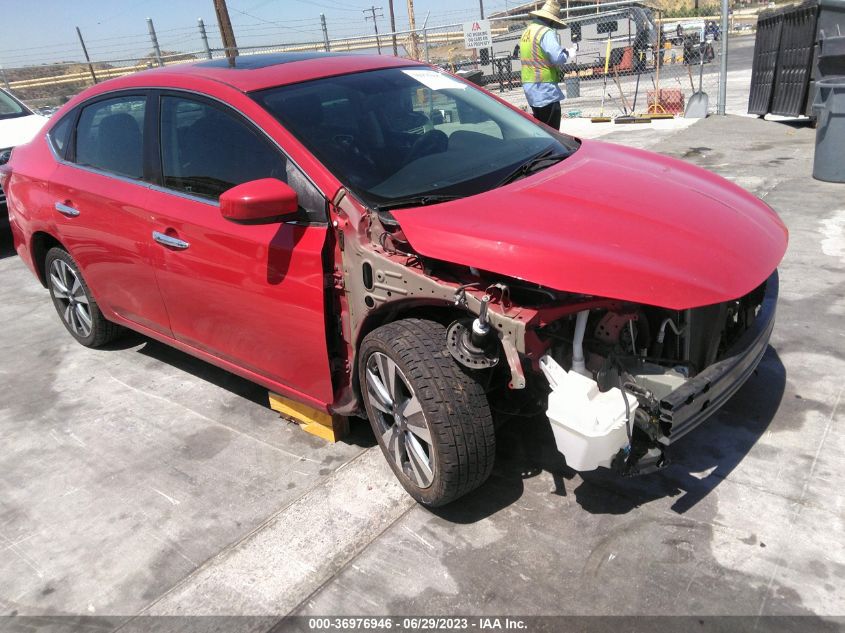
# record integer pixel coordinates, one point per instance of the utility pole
(85, 52)
(204, 37)
(393, 28)
(481, 8)
(154, 40)
(226, 32)
(373, 10)
(412, 25)
(325, 32)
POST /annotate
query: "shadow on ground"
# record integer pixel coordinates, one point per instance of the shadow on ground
(360, 433)
(700, 461)
(798, 124)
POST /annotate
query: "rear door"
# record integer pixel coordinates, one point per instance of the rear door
(100, 207)
(251, 295)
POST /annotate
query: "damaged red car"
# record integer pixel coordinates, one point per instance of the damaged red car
(369, 236)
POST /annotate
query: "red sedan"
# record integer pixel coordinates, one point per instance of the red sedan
(367, 235)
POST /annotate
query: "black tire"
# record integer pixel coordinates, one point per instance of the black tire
(70, 306)
(452, 404)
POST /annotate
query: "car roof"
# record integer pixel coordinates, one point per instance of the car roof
(247, 73)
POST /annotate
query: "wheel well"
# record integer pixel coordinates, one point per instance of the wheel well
(41, 243)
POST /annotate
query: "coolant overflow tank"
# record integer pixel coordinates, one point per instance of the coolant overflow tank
(589, 426)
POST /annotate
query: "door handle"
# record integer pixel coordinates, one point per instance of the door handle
(172, 242)
(64, 209)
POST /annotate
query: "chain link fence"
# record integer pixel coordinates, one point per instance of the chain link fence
(621, 68)
(627, 61)
(653, 82)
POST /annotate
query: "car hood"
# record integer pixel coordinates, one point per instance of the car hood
(613, 222)
(20, 130)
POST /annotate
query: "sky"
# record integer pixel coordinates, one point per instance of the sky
(42, 31)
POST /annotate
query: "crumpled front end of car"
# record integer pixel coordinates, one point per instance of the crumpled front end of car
(627, 310)
(630, 380)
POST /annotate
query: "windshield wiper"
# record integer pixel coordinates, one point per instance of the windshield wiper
(532, 165)
(416, 201)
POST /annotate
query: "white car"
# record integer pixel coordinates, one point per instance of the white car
(18, 125)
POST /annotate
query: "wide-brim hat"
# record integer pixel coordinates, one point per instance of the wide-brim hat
(550, 11)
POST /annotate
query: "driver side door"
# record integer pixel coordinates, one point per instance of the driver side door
(249, 295)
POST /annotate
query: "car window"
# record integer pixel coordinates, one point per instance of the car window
(449, 115)
(60, 133)
(11, 107)
(397, 133)
(205, 150)
(109, 135)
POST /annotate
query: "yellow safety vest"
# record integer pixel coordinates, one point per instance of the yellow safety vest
(536, 67)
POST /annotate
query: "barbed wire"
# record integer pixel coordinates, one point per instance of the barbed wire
(106, 49)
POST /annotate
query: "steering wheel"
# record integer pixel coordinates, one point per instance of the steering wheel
(432, 142)
(350, 145)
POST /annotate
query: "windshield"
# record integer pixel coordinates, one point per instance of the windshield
(11, 107)
(401, 133)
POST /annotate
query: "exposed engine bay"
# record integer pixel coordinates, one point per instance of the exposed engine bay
(613, 369)
(618, 381)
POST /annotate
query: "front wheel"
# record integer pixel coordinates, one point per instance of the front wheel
(432, 419)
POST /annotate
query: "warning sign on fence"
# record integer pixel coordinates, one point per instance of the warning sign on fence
(477, 34)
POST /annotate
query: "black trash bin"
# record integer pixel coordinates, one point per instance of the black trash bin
(796, 46)
(829, 108)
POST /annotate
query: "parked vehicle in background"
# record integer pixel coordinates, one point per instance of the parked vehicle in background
(18, 124)
(47, 111)
(370, 236)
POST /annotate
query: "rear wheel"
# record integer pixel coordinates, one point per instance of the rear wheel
(431, 419)
(74, 302)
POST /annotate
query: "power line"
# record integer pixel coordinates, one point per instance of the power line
(311, 3)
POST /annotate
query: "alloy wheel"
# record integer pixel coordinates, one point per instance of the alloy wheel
(405, 432)
(70, 293)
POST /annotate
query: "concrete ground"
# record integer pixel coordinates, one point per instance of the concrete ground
(136, 480)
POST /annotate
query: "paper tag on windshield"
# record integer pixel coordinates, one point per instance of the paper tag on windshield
(434, 80)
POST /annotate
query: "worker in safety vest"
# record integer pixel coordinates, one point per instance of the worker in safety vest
(541, 56)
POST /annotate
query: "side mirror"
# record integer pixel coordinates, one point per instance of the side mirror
(259, 202)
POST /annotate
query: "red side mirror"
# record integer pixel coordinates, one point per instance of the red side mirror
(259, 201)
